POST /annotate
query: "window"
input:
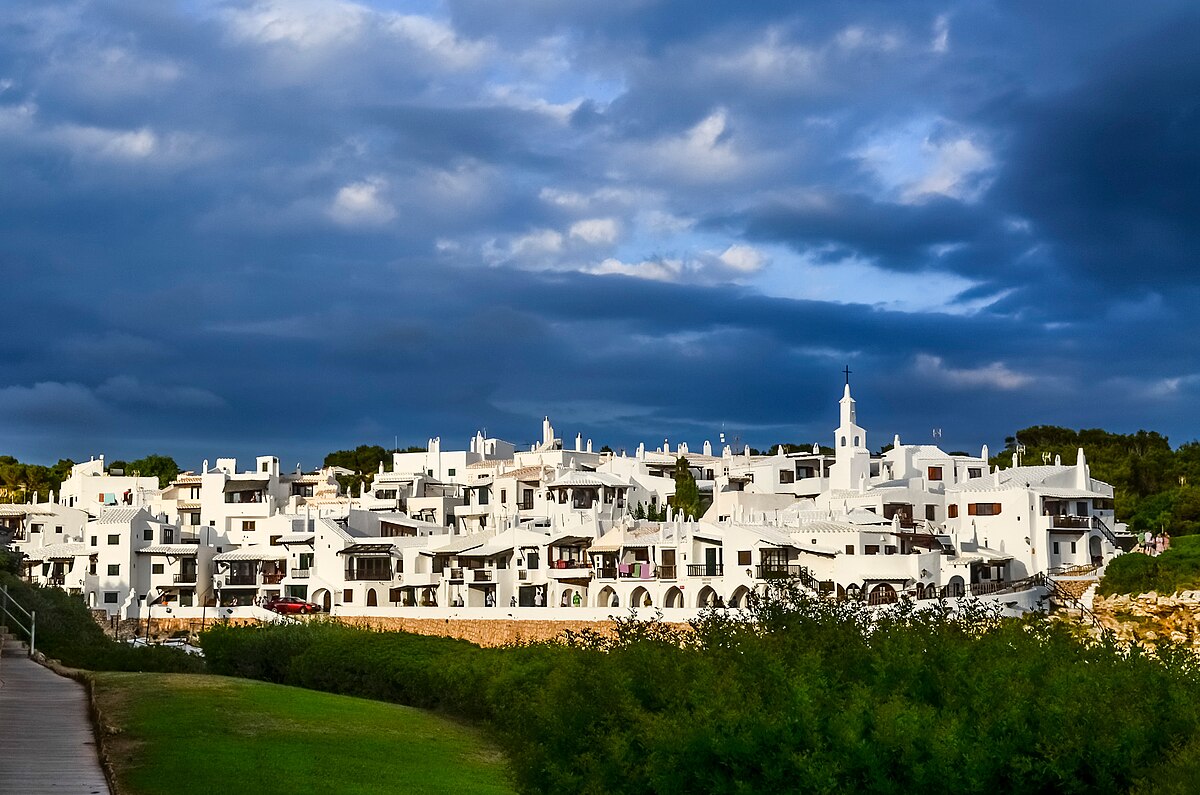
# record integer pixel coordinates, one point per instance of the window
(148, 534)
(871, 549)
(744, 557)
(531, 559)
(856, 441)
(348, 596)
(843, 441)
(110, 597)
(95, 541)
(275, 540)
(1055, 544)
(1081, 509)
(483, 496)
(36, 528)
(156, 568)
(503, 496)
(849, 548)
(1072, 547)
(889, 550)
(114, 569)
(935, 473)
(983, 509)
(787, 476)
(952, 511)
(58, 529)
(247, 525)
(974, 472)
(930, 513)
(451, 472)
(113, 540)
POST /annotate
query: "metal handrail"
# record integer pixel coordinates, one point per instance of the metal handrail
(31, 615)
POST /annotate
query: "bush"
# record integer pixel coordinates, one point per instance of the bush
(811, 697)
(67, 632)
(1177, 569)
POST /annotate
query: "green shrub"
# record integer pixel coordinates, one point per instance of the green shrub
(67, 632)
(812, 697)
(1177, 569)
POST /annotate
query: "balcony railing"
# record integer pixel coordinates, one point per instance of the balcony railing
(526, 505)
(301, 574)
(184, 579)
(188, 538)
(456, 573)
(373, 575)
(667, 572)
(59, 580)
(706, 570)
(778, 571)
(607, 572)
(481, 575)
(1071, 522)
(273, 579)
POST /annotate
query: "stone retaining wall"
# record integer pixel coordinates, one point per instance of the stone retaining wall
(483, 632)
(1148, 618)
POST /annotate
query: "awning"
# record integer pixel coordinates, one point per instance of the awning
(244, 485)
(571, 540)
(297, 538)
(373, 550)
(172, 550)
(251, 553)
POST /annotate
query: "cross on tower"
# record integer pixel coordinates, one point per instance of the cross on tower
(847, 372)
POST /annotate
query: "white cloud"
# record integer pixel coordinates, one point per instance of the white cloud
(662, 270)
(362, 204)
(856, 37)
(299, 23)
(704, 153)
(596, 231)
(109, 144)
(941, 34)
(537, 243)
(439, 40)
(995, 375)
(928, 156)
(772, 59)
(745, 259)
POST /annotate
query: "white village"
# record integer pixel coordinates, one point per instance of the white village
(491, 531)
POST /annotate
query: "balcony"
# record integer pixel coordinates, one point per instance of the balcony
(242, 579)
(188, 578)
(668, 572)
(777, 571)
(607, 572)
(456, 574)
(637, 571)
(301, 574)
(706, 570)
(188, 538)
(273, 579)
(1071, 522)
(481, 575)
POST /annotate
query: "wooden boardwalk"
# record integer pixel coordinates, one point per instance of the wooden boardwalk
(46, 739)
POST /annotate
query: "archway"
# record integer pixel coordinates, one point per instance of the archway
(607, 597)
(674, 597)
(324, 598)
(640, 598)
(372, 599)
(1095, 550)
(956, 588)
(882, 594)
(565, 599)
(740, 597)
(707, 597)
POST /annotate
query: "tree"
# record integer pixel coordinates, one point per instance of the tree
(687, 493)
(162, 467)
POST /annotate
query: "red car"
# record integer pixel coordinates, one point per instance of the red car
(292, 604)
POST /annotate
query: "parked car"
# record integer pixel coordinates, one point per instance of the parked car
(292, 604)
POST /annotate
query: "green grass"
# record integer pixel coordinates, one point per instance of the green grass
(215, 734)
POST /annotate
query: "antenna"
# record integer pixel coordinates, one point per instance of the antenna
(937, 433)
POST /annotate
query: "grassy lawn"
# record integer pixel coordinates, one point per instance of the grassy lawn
(214, 734)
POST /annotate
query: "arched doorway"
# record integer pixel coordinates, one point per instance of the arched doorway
(882, 594)
(607, 597)
(372, 599)
(324, 599)
(707, 597)
(956, 587)
(740, 597)
(1094, 549)
(640, 598)
(674, 597)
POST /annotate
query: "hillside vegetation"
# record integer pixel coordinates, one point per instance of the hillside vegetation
(815, 697)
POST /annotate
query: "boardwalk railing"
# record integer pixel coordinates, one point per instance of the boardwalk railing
(30, 618)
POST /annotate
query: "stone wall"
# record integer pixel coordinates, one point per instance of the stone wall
(1148, 618)
(483, 632)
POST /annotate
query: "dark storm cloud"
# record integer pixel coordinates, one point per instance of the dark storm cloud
(288, 228)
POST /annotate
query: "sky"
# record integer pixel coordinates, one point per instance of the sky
(247, 228)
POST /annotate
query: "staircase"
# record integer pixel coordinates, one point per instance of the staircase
(1068, 600)
(11, 645)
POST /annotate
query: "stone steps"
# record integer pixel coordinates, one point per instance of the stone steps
(11, 645)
